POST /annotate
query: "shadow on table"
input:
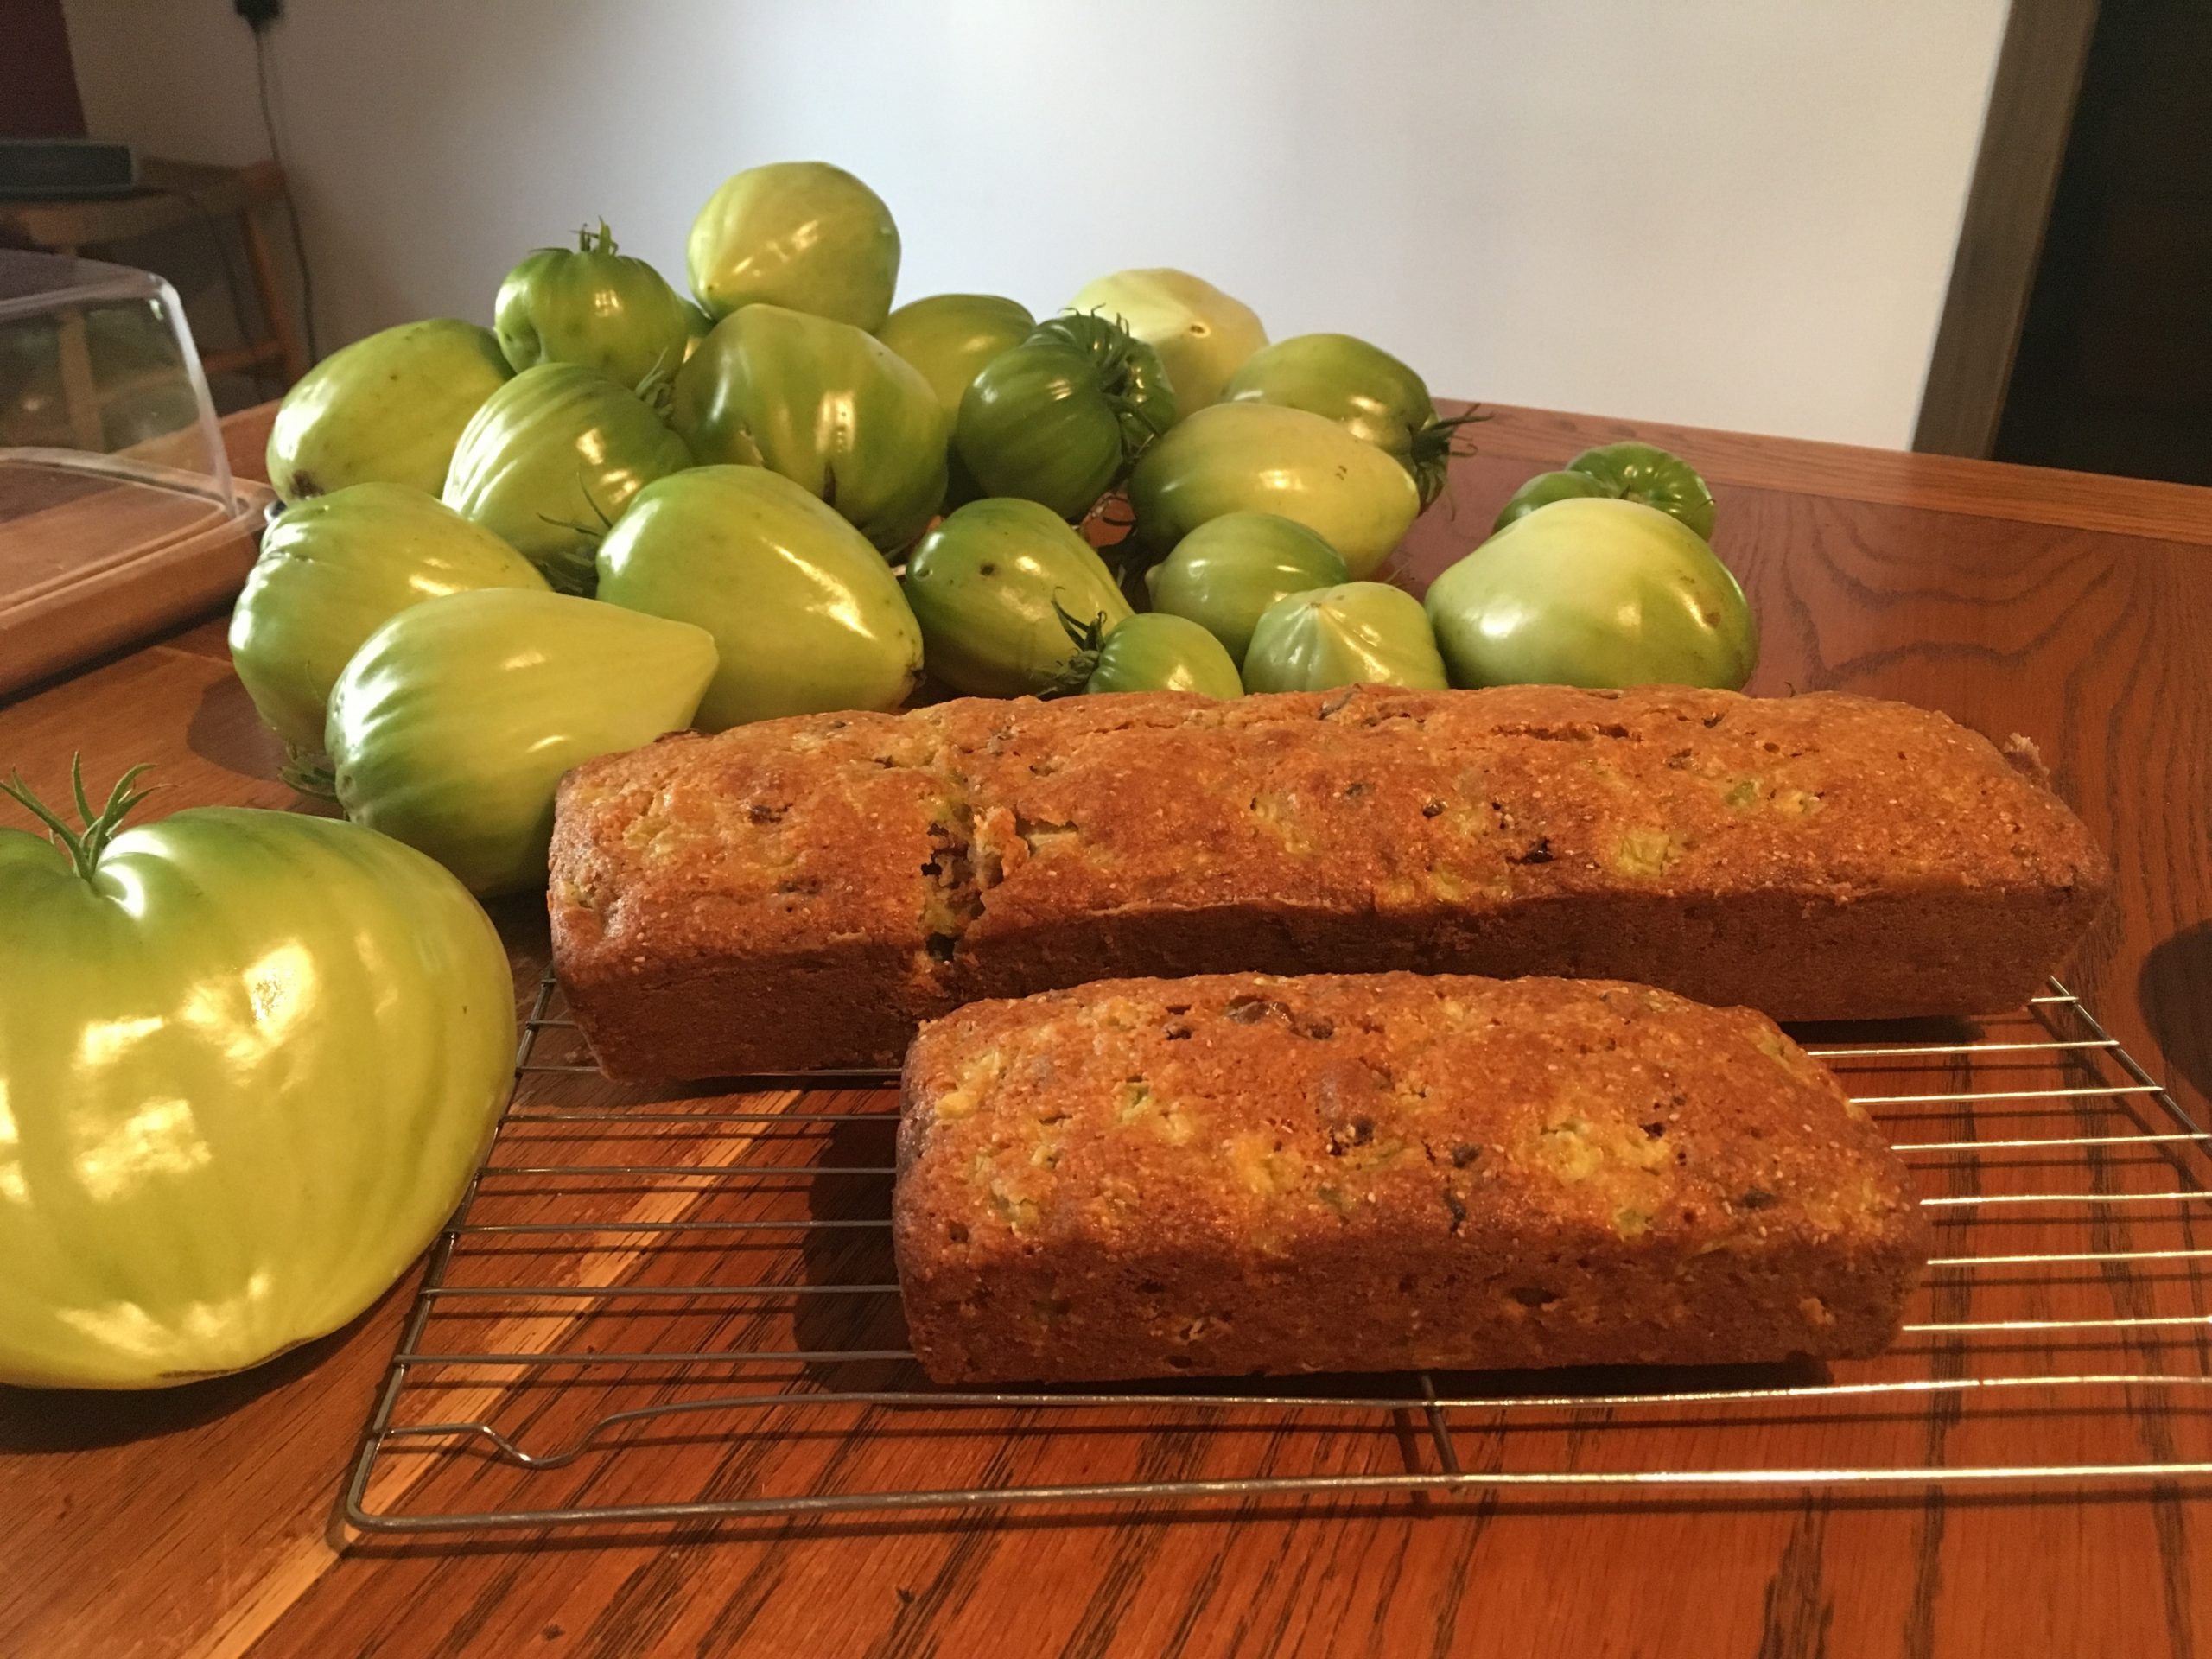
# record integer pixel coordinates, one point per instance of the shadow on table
(2174, 990)
(35, 1420)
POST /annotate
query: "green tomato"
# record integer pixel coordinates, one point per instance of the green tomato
(248, 1063)
(1202, 334)
(1361, 633)
(698, 325)
(834, 410)
(1058, 418)
(385, 409)
(551, 459)
(802, 234)
(1252, 457)
(451, 727)
(1158, 652)
(1363, 389)
(805, 614)
(1594, 592)
(1645, 473)
(593, 306)
(1226, 573)
(989, 586)
(331, 571)
(1544, 489)
(949, 337)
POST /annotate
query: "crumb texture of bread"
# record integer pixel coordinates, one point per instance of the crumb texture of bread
(1243, 1173)
(803, 892)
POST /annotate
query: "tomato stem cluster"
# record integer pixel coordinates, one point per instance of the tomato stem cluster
(85, 846)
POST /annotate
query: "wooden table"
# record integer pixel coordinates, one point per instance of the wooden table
(2078, 610)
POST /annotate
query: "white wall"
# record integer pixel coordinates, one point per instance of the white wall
(1732, 212)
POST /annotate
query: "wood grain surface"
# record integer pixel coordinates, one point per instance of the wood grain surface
(2075, 611)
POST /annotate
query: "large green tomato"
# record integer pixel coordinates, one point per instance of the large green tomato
(1202, 334)
(805, 614)
(451, 727)
(331, 571)
(801, 234)
(1225, 573)
(593, 306)
(990, 585)
(1255, 457)
(834, 410)
(385, 409)
(1058, 418)
(1622, 472)
(551, 459)
(1363, 389)
(248, 1063)
(1595, 593)
(949, 337)
(1154, 652)
(1361, 633)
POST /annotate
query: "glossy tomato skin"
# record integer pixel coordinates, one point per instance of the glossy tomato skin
(1544, 489)
(806, 616)
(551, 459)
(388, 409)
(1202, 334)
(1621, 471)
(1154, 652)
(1060, 418)
(989, 586)
(248, 1066)
(949, 337)
(833, 409)
(1258, 457)
(1370, 393)
(1594, 592)
(1225, 573)
(331, 571)
(804, 235)
(451, 726)
(595, 305)
(1360, 634)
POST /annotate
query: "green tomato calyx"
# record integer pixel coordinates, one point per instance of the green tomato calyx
(1088, 638)
(85, 846)
(1432, 450)
(599, 241)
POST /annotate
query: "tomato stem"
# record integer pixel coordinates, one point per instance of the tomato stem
(85, 846)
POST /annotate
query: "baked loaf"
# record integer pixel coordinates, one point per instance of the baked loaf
(804, 892)
(1238, 1173)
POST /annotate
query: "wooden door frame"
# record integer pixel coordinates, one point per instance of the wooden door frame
(2031, 99)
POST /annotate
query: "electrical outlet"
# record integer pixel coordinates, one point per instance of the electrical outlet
(258, 14)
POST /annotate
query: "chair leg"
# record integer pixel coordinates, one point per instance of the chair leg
(80, 393)
(271, 293)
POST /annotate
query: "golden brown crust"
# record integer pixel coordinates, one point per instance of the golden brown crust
(1240, 1173)
(1819, 857)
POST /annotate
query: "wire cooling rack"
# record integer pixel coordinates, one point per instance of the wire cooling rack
(657, 1307)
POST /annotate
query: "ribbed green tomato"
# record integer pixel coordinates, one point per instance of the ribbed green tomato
(551, 459)
(805, 614)
(1154, 652)
(1058, 418)
(385, 409)
(989, 586)
(450, 728)
(949, 337)
(1225, 573)
(335, 569)
(1364, 390)
(1544, 489)
(1361, 633)
(1257, 457)
(1596, 593)
(802, 234)
(1622, 472)
(248, 1062)
(591, 305)
(834, 410)
(1202, 334)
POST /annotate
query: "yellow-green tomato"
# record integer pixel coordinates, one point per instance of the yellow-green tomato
(949, 337)
(1254, 457)
(388, 409)
(1154, 652)
(451, 727)
(1225, 573)
(593, 305)
(805, 614)
(1361, 633)
(989, 587)
(333, 571)
(1595, 593)
(1202, 334)
(248, 1062)
(802, 234)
